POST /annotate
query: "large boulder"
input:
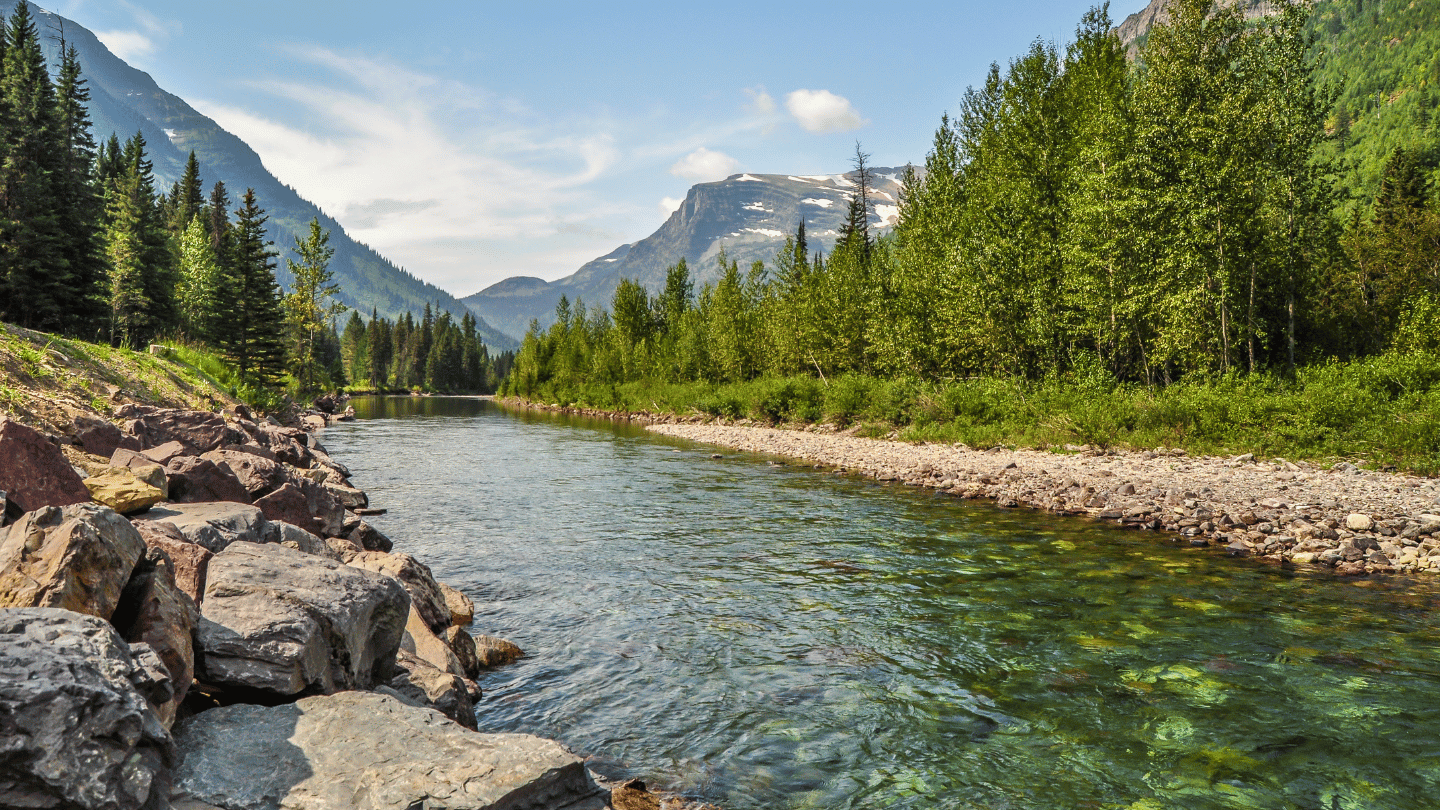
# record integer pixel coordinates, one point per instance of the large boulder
(259, 475)
(463, 646)
(77, 732)
(292, 536)
(121, 490)
(420, 684)
(214, 525)
(99, 437)
(198, 480)
(188, 560)
(155, 611)
(198, 431)
(306, 504)
(426, 597)
(367, 537)
(77, 558)
(35, 473)
(366, 751)
(285, 622)
(348, 496)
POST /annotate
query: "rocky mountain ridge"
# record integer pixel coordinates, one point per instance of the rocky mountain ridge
(749, 216)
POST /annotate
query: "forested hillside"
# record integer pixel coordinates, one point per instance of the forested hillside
(1082, 217)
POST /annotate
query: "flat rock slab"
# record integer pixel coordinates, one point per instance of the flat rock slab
(77, 732)
(287, 622)
(368, 751)
(214, 525)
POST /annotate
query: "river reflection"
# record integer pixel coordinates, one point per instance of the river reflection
(773, 637)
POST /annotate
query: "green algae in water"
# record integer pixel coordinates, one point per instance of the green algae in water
(770, 638)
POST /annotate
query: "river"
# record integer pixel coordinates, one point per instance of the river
(761, 634)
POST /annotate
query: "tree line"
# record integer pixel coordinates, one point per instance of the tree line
(90, 248)
(1172, 217)
(435, 354)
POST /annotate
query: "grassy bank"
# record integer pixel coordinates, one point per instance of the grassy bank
(1380, 412)
(45, 380)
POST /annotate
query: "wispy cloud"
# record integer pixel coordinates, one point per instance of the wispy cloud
(823, 111)
(669, 205)
(146, 33)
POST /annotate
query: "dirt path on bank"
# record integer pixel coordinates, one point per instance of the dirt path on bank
(1354, 521)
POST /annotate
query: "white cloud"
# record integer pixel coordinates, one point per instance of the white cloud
(823, 111)
(429, 171)
(704, 166)
(128, 45)
(669, 205)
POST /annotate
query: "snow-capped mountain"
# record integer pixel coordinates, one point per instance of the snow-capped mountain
(747, 215)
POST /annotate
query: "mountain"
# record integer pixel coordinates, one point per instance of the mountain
(124, 101)
(748, 215)
(1133, 29)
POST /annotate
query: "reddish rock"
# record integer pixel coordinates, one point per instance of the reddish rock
(259, 475)
(198, 430)
(188, 560)
(164, 453)
(199, 480)
(101, 438)
(368, 537)
(33, 472)
(288, 504)
(154, 610)
(77, 558)
(426, 597)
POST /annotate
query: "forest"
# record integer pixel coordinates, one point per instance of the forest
(1119, 234)
(92, 250)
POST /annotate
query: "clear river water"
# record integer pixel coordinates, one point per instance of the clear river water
(761, 634)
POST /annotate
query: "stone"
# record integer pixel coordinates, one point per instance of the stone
(633, 795)
(77, 731)
(496, 652)
(78, 558)
(292, 536)
(462, 610)
(197, 480)
(214, 525)
(421, 684)
(367, 751)
(120, 489)
(426, 597)
(1357, 522)
(463, 646)
(369, 538)
(1304, 557)
(33, 472)
(307, 505)
(198, 431)
(188, 560)
(99, 437)
(259, 475)
(285, 622)
(155, 611)
(348, 496)
(167, 452)
(419, 640)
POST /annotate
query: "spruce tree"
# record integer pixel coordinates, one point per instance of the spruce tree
(252, 330)
(79, 203)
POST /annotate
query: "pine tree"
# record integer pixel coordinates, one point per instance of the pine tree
(252, 330)
(79, 204)
(130, 320)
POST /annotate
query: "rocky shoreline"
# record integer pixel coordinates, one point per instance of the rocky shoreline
(1341, 518)
(194, 613)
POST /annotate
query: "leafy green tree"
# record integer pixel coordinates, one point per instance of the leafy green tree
(201, 279)
(311, 303)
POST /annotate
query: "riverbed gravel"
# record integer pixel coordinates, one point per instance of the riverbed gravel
(1350, 520)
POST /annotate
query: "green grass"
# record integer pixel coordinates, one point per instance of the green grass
(1380, 412)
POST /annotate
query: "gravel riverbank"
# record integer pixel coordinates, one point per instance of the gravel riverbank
(1353, 521)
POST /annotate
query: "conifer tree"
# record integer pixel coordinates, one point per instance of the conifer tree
(79, 204)
(252, 328)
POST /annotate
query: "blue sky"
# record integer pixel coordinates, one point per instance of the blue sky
(473, 141)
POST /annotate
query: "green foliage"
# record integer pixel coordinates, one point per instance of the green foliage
(311, 305)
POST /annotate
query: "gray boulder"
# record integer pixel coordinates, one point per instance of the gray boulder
(155, 611)
(286, 622)
(421, 684)
(367, 752)
(426, 597)
(213, 525)
(77, 732)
